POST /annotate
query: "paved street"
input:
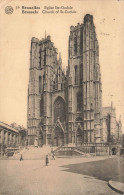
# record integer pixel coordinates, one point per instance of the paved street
(108, 169)
(32, 177)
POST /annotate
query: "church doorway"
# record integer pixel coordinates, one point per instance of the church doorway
(79, 136)
(113, 151)
(58, 137)
(41, 138)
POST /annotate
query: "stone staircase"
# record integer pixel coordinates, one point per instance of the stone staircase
(68, 151)
(79, 151)
(32, 153)
(40, 153)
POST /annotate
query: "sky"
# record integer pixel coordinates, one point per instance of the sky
(17, 29)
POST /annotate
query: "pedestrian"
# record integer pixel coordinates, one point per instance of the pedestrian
(47, 160)
(53, 156)
(21, 158)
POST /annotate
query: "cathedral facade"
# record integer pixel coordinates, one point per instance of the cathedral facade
(65, 107)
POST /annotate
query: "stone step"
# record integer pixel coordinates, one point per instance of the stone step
(32, 153)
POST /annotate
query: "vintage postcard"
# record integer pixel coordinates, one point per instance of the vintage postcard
(61, 97)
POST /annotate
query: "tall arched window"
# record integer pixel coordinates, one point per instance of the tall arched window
(59, 110)
(75, 45)
(40, 84)
(45, 56)
(40, 58)
(81, 41)
(81, 72)
(41, 106)
(76, 75)
(79, 101)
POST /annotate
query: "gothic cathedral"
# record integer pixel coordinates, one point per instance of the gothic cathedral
(65, 108)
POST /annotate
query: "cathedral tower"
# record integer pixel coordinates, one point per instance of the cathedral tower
(43, 65)
(84, 83)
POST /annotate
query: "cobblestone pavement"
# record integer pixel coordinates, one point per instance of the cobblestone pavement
(32, 177)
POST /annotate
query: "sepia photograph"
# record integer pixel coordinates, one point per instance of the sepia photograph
(61, 97)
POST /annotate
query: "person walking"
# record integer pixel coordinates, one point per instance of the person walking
(47, 160)
(53, 156)
(21, 158)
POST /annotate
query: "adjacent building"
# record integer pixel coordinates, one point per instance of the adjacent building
(112, 128)
(11, 136)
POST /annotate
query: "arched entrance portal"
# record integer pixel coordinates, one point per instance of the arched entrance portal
(79, 136)
(41, 138)
(58, 137)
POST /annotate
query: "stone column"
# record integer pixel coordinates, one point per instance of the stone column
(70, 128)
(92, 136)
(14, 139)
(88, 132)
(2, 136)
(76, 137)
(73, 141)
(6, 138)
(19, 138)
(44, 138)
(65, 138)
(11, 141)
(2, 141)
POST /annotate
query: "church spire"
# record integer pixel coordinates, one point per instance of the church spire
(45, 34)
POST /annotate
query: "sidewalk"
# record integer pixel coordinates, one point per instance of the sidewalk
(117, 186)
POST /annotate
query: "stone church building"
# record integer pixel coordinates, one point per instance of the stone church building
(65, 108)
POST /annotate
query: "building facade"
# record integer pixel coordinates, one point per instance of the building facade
(112, 128)
(11, 136)
(65, 108)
